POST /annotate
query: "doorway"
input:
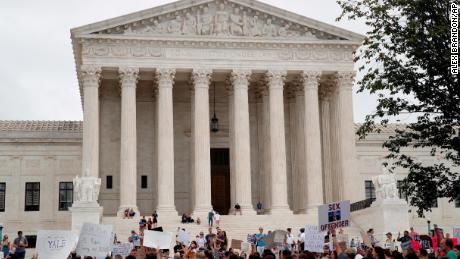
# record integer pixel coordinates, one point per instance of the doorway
(220, 180)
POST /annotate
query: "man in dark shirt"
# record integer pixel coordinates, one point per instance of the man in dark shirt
(211, 217)
(405, 240)
(20, 243)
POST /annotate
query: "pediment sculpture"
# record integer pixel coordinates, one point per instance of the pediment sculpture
(220, 19)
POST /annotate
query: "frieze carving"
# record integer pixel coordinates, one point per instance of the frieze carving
(213, 50)
(220, 19)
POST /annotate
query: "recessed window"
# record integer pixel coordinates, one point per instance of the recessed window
(65, 195)
(144, 182)
(2, 196)
(401, 192)
(457, 202)
(369, 189)
(434, 203)
(32, 202)
(108, 182)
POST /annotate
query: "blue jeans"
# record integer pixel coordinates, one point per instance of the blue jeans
(210, 221)
(20, 255)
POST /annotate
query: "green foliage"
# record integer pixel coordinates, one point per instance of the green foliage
(406, 62)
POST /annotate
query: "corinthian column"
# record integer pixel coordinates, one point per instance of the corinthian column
(241, 141)
(128, 176)
(326, 142)
(91, 78)
(165, 141)
(346, 136)
(202, 156)
(279, 203)
(313, 191)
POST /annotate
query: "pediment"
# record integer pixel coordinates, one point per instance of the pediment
(218, 19)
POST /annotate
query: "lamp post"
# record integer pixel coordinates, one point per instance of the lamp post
(214, 120)
(429, 226)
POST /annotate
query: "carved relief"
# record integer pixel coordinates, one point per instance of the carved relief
(219, 19)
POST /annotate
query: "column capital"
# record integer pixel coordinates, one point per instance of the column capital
(310, 79)
(345, 79)
(128, 76)
(91, 75)
(201, 77)
(165, 77)
(240, 78)
(275, 78)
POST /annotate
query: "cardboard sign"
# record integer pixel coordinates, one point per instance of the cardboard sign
(183, 237)
(334, 215)
(122, 249)
(55, 244)
(95, 240)
(236, 244)
(157, 239)
(314, 239)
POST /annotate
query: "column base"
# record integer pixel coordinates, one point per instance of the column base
(167, 211)
(311, 210)
(121, 211)
(245, 210)
(85, 212)
(279, 210)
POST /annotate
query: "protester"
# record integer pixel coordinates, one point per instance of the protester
(405, 240)
(370, 235)
(413, 234)
(155, 218)
(6, 245)
(201, 240)
(260, 243)
(217, 218)
(447, 245)
(259, 207)
(389, 242)
(211, 218)
(301, 239)
(142, 224)
(238, 209)
(134, 239)
(20, 244)
(149, 224)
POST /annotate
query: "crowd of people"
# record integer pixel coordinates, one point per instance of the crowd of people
(215, 244)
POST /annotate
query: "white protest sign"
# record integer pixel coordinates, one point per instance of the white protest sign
(314, 239)
(334, 215)
(245, 247)
(122, 249)
(55, 244)
(95, 240)
(183, 237)
(157, 239)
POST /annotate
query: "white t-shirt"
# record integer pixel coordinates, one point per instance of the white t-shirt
(302, 237)
(200, 241)
(216, 217)
(290, 239)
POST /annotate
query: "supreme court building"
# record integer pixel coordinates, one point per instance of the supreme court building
(195, 105)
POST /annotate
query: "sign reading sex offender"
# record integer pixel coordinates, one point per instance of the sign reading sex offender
(334, 215)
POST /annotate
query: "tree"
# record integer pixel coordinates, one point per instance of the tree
(406, 62)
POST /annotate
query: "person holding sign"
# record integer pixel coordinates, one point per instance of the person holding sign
(20, 243)
(260, 243)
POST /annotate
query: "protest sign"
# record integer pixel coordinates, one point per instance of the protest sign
(245, 247)
(55, 244)
(95, 240)
(122, 249)
(157, 239)
(236, 244)
(183, 237)
(314, 239)
(334, 215)
(275, 238)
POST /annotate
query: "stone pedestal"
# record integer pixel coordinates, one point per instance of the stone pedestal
(389, 215)
(85, 212)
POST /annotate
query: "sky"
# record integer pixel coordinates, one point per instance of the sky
(37, 70)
